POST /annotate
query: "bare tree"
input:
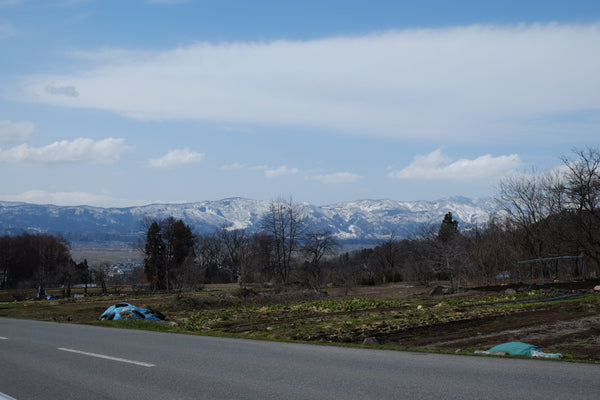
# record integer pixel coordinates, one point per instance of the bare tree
(284, 223)
(100, 274)
(260, 253)
(5, 260)
(420, 260)
(385, 259)
(558, 211)
(189, 276)
(316, 245)
(582, 189)
(348, 269)
(211, 255)
(66, 274)
(236, 244)
(492, 254)
(528, 201)
(53, 254)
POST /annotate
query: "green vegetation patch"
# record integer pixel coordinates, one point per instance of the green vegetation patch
(340, 320)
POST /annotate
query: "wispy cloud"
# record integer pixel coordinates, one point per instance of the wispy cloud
(8, 3)
(15, 132)
(418, 83)
(435, 165)
(6, 29)
(70, 91)
(281, 171)
(82, 150)
(233, 167)
(177, 158)
(71, 199)
(337, 178)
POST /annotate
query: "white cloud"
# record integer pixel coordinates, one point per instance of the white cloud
(57, 198)
(15, 132)
(337, 178)
(69, 91)
(233, 167)
(82, 150)
(437, 166)
(416, 83)
(176, 158)
(71, 199)
(281, 171)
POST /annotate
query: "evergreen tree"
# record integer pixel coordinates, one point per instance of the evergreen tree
(179, 242)
(169, 243)
(448, 229)
(154, 263)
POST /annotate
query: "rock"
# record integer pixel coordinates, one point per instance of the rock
(440, 291)
(510, 291)
(597, 288)
(371, 341)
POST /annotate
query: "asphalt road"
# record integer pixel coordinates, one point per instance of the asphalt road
(44, 360)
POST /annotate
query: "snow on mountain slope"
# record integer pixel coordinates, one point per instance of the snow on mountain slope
(362, 220)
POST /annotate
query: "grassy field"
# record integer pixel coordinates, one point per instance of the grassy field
(95, 255)
(398, 316)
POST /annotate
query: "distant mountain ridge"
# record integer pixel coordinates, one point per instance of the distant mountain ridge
(362, 221)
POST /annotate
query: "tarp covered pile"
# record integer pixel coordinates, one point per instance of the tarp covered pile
(129, 311)
(520, 349)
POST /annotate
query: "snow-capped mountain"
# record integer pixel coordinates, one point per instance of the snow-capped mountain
(363, 221)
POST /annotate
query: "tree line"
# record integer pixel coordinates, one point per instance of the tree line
(540, 215)
(284, 251)
(551, 214)
(40, 261)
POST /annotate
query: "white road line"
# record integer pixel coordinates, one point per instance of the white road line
(124, 360)
(3, 338)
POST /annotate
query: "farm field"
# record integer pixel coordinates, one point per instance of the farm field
(400, 316)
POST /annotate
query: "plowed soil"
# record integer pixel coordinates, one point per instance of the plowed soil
(566, 327)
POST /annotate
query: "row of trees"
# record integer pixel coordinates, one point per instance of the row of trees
(556, 213)
(40, 261)
(283, 251)
(551, 214)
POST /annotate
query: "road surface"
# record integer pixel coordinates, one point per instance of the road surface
(45, 360)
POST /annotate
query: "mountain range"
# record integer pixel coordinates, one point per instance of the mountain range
(361, 222)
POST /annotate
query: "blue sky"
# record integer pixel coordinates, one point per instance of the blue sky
(128, 102)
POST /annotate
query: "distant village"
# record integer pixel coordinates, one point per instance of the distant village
(123, 271)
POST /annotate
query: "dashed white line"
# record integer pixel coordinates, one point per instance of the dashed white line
(3, 338)
(124, 360)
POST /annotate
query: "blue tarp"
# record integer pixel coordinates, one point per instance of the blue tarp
(522, 349)
(129, 311)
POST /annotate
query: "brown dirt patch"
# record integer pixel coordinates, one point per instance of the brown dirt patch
(569, 328)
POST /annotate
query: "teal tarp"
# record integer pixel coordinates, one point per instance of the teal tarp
(522, 349)
(129, 311)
